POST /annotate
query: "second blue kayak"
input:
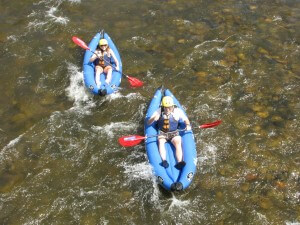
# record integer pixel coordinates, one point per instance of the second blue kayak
(170, 178)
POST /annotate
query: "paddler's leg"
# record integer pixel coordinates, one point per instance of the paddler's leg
(99, 70)
(108, 71)
(176, 141)
(162, 150)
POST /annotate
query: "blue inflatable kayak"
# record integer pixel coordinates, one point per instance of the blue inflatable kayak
(170, 178)
(89, 68)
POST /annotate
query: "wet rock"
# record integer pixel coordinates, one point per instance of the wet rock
(241, 56)
(279, 60)
(219, 195)
(18, 118)
(263, 51)
(245, 187)
(181, 41)
(269, 177)
(268, 20)
(228, 10)
(126, 195)
(257, 108)
(208, 182)
(280, 184)
(251, 177)
(172, 2)
(9, 181)
(253, 147)
(265, 203)
(201, 74)
(257, 128)
(88, 219)
(199, 29)
(263, 114)
(48, 100)
(252, 164)
(3, 37)
(274, 142)
(276, 194)
(242, 123)
(222, 172)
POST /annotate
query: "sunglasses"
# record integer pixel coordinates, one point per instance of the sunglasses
(102, 45)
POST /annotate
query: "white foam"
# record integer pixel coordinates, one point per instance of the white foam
(9, 148)
(141, 171)
(36, 24)
(12, 142)
(137, 39)
(12, 38)
(111, 128)
(129, 96)
(177, 203)
(46, 16)
(76, 91)
(74, 1)
(56, 19)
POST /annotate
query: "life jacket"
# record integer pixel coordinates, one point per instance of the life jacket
(103, 62)
(167, 123)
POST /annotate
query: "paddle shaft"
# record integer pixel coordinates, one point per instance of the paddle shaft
(156, 135)
(108, 63)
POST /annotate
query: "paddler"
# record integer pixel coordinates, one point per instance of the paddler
(102, 58)
(168, 116)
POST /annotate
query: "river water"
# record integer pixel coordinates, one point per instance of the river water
(237, 61)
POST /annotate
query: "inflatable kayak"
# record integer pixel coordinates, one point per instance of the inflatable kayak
(170, 178)
(89, 68)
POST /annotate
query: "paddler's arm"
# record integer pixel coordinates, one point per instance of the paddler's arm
(154, 117)
(185, 119)
(115, 59)
(94, 56)
(187, 124)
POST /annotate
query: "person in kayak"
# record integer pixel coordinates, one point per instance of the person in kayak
(102, 58)
(168, 116)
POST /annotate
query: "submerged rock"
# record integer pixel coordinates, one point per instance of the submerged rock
(263, 114)
(280, 184)
(251, 177)
(265, 203)
(245, 187)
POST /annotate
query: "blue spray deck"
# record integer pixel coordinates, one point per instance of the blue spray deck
(89, 67)
(170, 178)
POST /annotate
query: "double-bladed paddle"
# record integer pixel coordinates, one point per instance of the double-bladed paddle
(132, 140)
(134, 82)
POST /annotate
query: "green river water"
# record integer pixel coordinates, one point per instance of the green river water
(234, 60)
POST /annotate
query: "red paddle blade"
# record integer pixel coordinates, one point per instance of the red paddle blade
(208, 125)
(132, 140)
(134, 82)
(80, 43)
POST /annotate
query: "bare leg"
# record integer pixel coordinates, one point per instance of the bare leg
(162, 149)
(108, 71)
(176, 141)
(99, 70)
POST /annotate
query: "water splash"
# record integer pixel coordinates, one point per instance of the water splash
(45, 17)
(76, 91)
(129, 96)
(112, 128)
